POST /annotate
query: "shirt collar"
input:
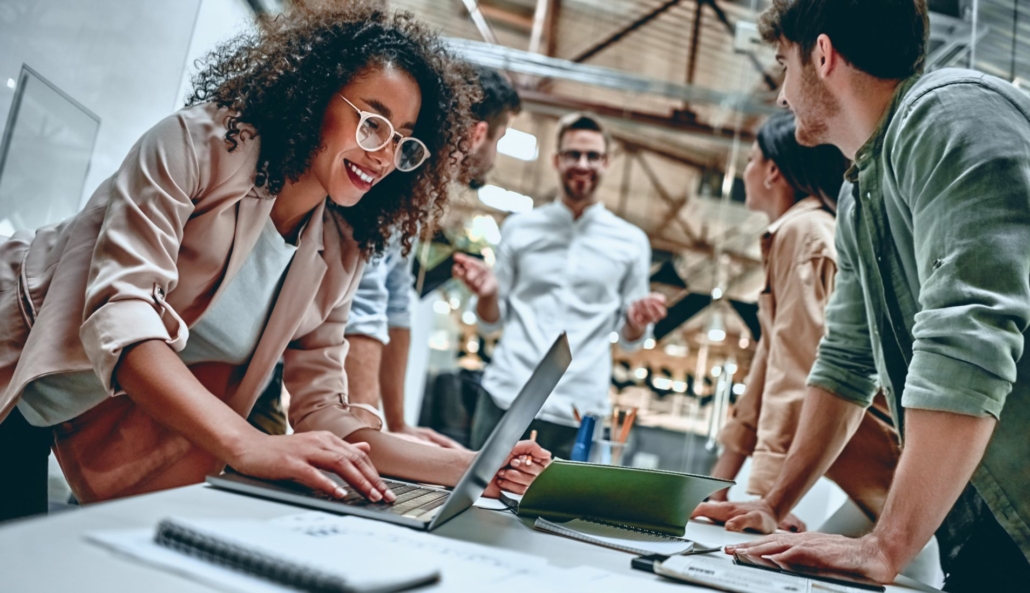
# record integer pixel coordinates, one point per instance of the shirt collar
(871, 149)
(801, 207)
(590, 212)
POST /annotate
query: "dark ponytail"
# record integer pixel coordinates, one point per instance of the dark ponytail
(817, 171)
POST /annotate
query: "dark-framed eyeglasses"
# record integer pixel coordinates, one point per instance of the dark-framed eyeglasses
(571, 157)
(375, 132)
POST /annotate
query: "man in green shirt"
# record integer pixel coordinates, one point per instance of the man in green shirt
(932, 299)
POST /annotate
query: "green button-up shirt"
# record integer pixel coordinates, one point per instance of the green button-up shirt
(932, 295)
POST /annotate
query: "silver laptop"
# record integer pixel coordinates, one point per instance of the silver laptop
(418, 506)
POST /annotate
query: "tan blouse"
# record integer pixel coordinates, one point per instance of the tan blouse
(799, 257)
(156, 244)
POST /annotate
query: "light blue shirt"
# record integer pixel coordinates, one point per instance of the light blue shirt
(383, 298)
(557, 274)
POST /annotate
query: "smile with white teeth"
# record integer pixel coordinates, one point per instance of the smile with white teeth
(361, 174)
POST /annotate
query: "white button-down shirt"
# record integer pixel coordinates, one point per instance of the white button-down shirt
(557, 274)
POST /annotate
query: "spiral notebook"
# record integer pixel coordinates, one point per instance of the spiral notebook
(293, 559)
(620, 537)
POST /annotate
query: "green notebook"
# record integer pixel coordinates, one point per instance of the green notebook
(643, 499)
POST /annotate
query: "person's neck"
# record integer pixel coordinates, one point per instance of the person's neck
(778, 207)
(578, 207)
(861, 112)
(294, 204)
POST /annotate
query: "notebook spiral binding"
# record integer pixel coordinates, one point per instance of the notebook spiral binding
(291, 574)
(637, 529)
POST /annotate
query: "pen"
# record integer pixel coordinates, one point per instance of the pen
(627, 424)
(528, 459)
(575, 414)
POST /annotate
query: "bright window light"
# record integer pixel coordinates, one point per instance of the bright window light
(503, 199)
(519, 145)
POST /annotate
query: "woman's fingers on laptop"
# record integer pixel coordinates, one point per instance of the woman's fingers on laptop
(351, 463)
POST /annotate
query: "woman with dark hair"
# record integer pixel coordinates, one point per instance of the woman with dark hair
(797, 188)
(136, 336)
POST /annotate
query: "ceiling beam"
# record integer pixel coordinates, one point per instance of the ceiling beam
(675, 205)
(618, 35)
(732, 28)
(480, 21)
(688, 125)
(695, 40)
(543, 8)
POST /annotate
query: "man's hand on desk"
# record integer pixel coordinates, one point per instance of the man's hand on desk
(862, 556)
(755, 515)
(524, 464)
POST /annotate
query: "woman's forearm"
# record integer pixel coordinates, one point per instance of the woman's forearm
(156, 380)
(408, 460)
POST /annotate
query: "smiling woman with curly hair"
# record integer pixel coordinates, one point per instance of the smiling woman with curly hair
(136, 336)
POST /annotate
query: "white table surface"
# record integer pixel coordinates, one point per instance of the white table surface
(50, 554)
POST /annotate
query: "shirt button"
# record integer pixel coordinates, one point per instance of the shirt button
(868, 195)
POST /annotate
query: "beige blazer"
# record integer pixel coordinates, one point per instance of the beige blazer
(800, 262)
(153, 248)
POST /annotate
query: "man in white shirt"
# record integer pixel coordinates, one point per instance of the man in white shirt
(567, 266)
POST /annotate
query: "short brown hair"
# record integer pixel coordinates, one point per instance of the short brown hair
(581, 120)
(883, 38)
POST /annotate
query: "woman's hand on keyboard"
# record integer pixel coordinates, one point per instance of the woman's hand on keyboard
(523, 465)
(303, 457)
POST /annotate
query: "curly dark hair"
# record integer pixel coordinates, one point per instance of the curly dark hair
(280, 79)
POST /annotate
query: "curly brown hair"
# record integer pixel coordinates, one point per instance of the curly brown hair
(280, 79)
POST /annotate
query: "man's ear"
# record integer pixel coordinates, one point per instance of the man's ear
(479, 134)
(825, 58)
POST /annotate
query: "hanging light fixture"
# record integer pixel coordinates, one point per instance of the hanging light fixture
(716, 328)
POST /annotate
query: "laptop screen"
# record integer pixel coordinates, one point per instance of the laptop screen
(508, 431)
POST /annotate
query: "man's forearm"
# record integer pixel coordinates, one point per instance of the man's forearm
(362, 367)
(826, 425)
(488, 308)
(941, 452)
(392, 371)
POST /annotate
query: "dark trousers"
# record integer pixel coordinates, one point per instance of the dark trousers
(23, 465)
(555, 438)
(988, 561)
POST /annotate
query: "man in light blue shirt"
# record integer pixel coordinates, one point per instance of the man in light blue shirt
(568, 266)
(379, 325)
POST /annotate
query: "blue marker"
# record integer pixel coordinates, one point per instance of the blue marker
(584, 438)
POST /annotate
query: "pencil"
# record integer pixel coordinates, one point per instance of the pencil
(575, 414)
(627, 424)
(528, 459)
(615, 422)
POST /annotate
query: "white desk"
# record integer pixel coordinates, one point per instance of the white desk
(50, 554)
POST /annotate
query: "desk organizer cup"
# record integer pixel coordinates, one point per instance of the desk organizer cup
(607, 452)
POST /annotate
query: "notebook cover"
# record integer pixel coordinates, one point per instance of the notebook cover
(651, 500)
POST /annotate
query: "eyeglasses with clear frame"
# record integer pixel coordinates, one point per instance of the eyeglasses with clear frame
(572, 157)
(374, 132)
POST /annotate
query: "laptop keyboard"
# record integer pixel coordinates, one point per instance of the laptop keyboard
(412, 501)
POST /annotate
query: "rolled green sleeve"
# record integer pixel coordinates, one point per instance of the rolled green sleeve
(845, 365)
(966, 181)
